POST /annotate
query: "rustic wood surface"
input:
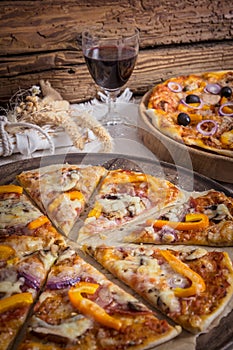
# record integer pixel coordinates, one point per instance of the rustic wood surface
(38, 41)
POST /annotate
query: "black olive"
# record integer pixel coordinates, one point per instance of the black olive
(111, 196)
(226, 91)
(192, 99)
(212, 207)
(183, 119)
(141, 261)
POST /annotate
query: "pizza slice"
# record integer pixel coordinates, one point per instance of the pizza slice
(192, 287)
(205, 219)
(23, 226)
(62, 191)
(124, 195)
(81, 309)
(21, 278)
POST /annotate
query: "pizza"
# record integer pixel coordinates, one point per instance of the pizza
(206, 219)
(53, 296)
(62, 191)
(191, 287)
(196, 110)
(125, 195)
(81, 309)
(22, 225)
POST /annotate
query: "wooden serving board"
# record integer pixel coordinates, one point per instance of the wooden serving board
(218, 338)
(165, 148)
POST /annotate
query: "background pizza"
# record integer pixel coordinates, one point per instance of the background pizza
(196, 109)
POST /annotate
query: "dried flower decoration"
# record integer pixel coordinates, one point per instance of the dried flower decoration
(43, 105)
(35, 90)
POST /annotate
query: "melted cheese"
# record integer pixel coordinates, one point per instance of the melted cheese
(152, 278)
(11, 212)
(56, 181)
(122, 205)
(24, 245)
(11, 287)
(45, 295)
(169, 299)
(71, 329)
(223, 211)
(48, 259)
(66, 254)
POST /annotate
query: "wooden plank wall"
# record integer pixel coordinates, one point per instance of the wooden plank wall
(38, 41)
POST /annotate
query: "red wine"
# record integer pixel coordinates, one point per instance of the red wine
(111, 66)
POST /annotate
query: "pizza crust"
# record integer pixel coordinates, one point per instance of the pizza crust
(174, 132)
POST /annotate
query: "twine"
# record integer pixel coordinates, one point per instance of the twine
(7, 143)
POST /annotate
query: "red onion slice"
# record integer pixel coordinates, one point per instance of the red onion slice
(30, 281)
(210, 132)
(192, 105)
(174, 87)
(168, 234)
(54, 284)
(213, 88)
(226, 105)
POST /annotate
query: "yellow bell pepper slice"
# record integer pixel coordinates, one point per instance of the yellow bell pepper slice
(198, 284)
(90, 308)
(121, 176)
(223, 100)
(6, 252)
(195, 118)
(227, 138)
(72, 195)
(227, 109)
(75, 195)
(15, 300)
(188, 108)
(38, 222)
(11, 188)
(182, 108)
(96, 211)
(193, 221)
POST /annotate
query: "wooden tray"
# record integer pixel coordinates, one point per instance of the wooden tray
(218, 338)
(165, 148)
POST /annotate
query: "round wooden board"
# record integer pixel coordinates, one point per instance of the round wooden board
(212, 165)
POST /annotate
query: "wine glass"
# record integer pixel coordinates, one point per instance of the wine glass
(110, 57)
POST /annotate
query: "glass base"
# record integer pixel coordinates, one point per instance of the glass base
(121, 130)
(115, 119)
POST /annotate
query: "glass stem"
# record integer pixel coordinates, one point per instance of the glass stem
(112, 117)
(112, 96)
